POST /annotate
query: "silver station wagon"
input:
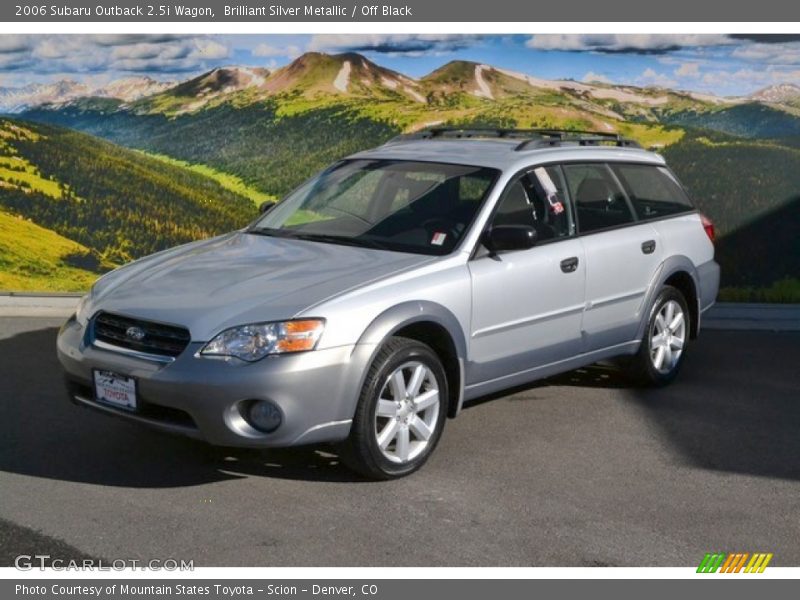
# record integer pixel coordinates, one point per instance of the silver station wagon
(371, 303)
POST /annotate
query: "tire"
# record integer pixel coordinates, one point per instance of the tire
(401, 411)
(664, 344)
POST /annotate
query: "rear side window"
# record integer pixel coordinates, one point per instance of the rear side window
(653, 191)
(599, 201)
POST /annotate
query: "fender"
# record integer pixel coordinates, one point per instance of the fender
(666, 269)
(396, 318)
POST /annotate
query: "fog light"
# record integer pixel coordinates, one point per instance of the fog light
(263, 415)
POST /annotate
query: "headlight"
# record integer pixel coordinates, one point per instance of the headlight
(253, 342)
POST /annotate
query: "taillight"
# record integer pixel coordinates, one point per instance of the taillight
(709, 227)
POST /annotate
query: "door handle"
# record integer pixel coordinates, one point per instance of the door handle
(568, 265)
(649, 246)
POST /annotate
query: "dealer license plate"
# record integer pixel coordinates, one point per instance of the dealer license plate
(115, 389)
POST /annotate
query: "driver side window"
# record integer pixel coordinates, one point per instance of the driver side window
(536, 199)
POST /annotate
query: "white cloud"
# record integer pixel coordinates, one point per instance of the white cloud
(591, 76)
(10, 44)
(15, 52)
(651, 77)
(14, 62)
(268, 51)
(89, 54)
(207, 49)
(53, 48)
(123, 39)
(406, 44)
(633, 43)
(756, 77)
(67, 54)
(776, 54)
(690, 70)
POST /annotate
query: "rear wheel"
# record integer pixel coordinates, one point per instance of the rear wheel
(401, 411)
(665, 339)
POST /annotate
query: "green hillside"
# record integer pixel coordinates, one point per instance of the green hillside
(226, 180)
(270, 152)
(116, 203)
(35, 258)
(735, 180)
(276, 144)
(751, 190)
(750, 120)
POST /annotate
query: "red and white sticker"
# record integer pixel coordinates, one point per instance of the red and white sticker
(438, 238)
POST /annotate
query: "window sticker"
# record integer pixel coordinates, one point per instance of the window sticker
(438, 238)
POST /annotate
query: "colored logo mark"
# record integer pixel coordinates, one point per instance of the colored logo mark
(737, 562)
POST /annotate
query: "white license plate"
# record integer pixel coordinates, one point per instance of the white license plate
(115, 389)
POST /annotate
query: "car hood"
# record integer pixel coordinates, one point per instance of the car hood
(241, 278)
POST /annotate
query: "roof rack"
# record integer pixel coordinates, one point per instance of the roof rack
(530, 138)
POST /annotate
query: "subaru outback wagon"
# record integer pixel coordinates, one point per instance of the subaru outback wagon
(378, 297)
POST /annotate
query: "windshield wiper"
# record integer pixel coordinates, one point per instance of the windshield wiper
(317, 237)
(339, 239)
(270, 231)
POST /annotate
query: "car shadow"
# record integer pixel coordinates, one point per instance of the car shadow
(43, 434)
(735, 406)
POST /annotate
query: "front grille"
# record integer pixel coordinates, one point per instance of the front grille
(158, 339)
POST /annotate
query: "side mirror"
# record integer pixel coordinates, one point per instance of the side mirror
(511, 237)
(267, 206)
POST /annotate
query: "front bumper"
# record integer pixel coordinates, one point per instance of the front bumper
(316, 391)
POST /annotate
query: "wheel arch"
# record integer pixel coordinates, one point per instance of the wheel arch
(683, 282)
(679, 272)
(432, 324)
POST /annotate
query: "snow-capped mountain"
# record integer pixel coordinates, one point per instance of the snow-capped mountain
(132, 88)
(781, 93)
(19, 99)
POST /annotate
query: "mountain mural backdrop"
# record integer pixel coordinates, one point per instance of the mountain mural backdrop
(92, 177)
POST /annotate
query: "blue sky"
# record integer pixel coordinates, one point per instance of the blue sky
(721, 64)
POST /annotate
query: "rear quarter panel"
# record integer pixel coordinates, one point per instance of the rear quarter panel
(684, 236)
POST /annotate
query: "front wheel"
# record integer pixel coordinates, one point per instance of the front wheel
(401, 411)
(665, 339)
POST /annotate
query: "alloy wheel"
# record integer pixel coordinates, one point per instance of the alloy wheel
(667, 337)
(407, 412)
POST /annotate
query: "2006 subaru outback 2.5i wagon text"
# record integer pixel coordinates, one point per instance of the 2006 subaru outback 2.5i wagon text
(374, 300)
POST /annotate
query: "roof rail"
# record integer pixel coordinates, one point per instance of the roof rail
(530, 138)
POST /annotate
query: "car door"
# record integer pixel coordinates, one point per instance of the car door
(622, 255)
(527, 304)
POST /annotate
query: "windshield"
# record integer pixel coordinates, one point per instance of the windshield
(390, 204)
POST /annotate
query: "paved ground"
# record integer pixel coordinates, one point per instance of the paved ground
(581, 470)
